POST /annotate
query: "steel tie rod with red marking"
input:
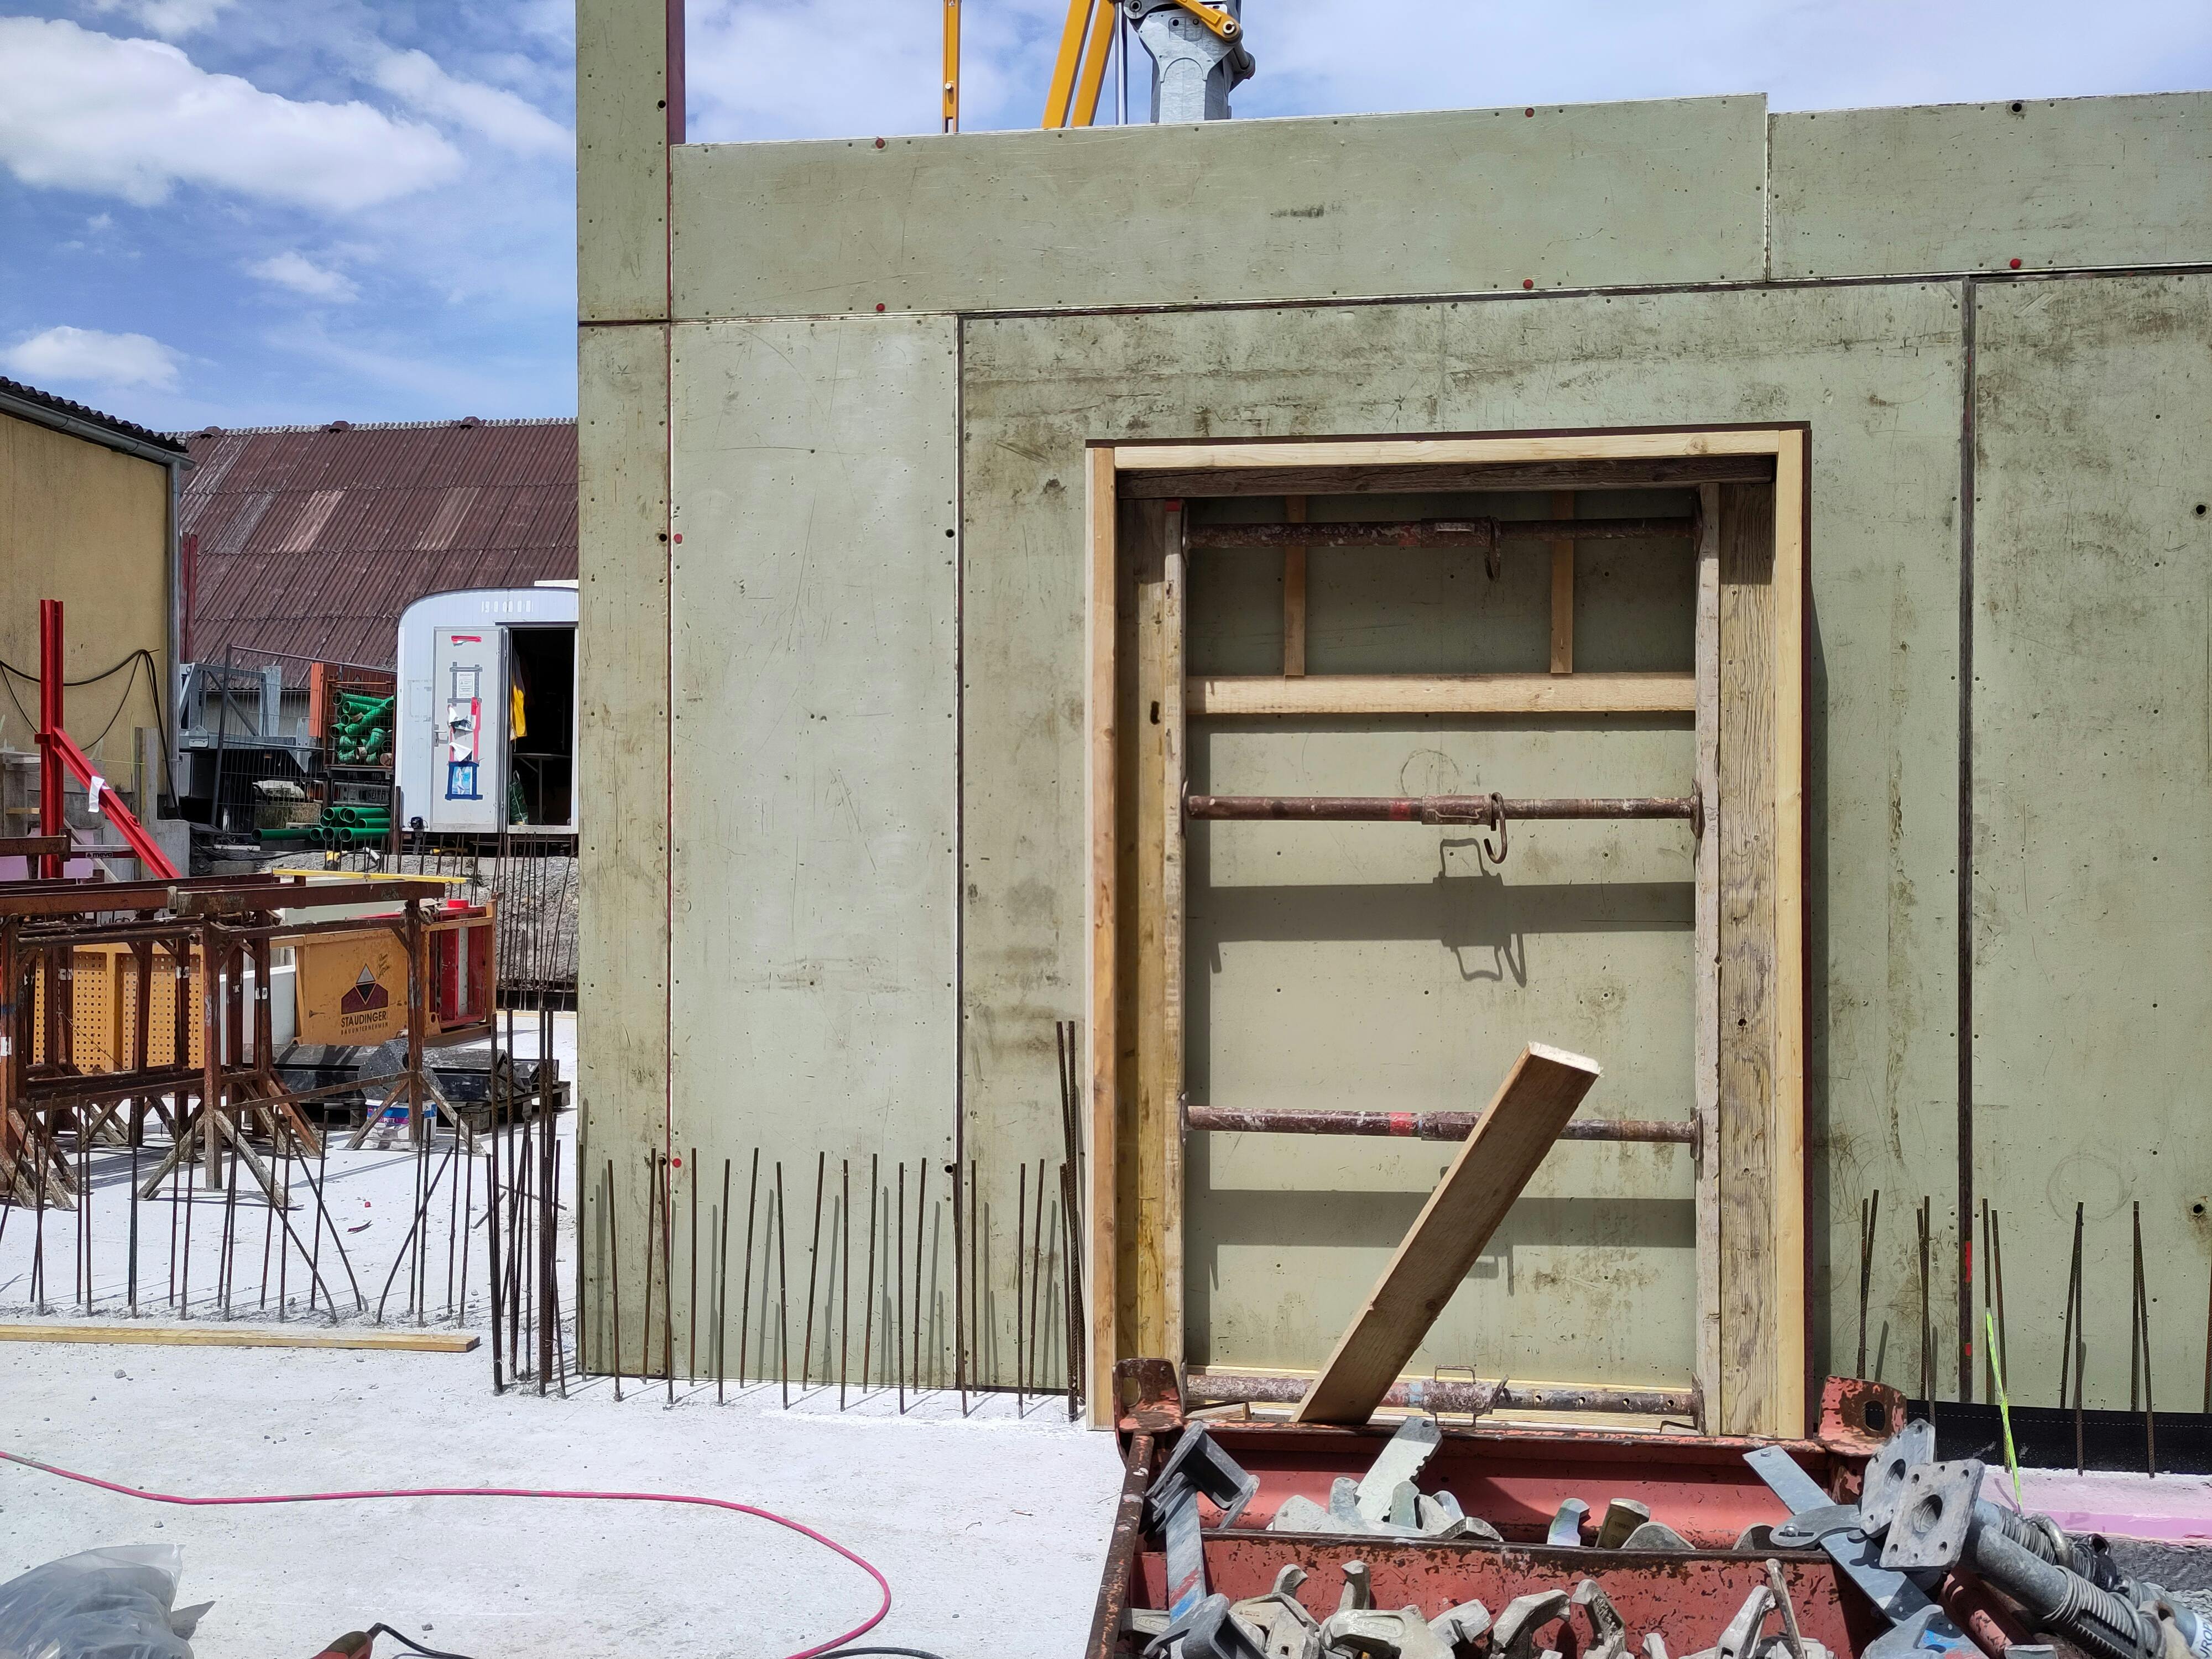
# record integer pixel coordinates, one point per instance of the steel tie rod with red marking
(1480, 534)
(1441, 809)
(1420, 1126)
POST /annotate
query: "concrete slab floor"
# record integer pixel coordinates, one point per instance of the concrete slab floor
(991, 1529)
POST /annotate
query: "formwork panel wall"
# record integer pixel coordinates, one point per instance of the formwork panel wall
(1445, 203)
(621, 689)
(2093, 812)
(2043, 182)
(1877, 371)
(815, 608)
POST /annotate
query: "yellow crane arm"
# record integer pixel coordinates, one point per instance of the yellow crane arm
(1079, 70)
(1213, 17)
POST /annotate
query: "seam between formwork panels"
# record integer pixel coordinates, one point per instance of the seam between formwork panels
(1336, 302)
(960, 774)
(671, 88)
(1766, 200)
(1965, 885)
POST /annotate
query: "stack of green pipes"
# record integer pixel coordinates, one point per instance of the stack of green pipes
(361, 729)
(341, 826)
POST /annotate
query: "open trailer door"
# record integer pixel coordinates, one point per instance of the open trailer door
(468, 709)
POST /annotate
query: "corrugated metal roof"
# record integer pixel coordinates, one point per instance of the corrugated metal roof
(313, 539)
(33, 404)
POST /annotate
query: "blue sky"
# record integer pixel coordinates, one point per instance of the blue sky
(259, 211)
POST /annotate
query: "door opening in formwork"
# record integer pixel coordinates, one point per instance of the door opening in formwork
(1405, 755)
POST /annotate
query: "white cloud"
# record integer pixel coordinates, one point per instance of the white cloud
(170, 19)
(85, 110)
(67, 356)
(510, 122)
(303, 276)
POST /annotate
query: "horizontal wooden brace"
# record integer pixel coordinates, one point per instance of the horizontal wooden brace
(242, 1336)
(1650, 473)
(1349, 695)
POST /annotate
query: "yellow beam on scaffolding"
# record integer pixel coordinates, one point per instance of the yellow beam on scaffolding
(952, 65)
(1105, 22)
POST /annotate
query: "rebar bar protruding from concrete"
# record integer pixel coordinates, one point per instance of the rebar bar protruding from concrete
(668, 1273)
(691, 1308)
(782, 1295)
(1021, 1285)
(314, 1255)
(454, 1215)
(975, 1268)
(314, 1271)
(84, 1219)
(651, 1254)
(468, 1221)
(492, 1265)
(1927, 1325)
(745, 1290)
(1071, 1281)
(718, 1226)
(920, 1229)
(813, 1260)
(39, 1235)
(2140, 1332)
(227, 1261)
(176, 1174)
(614, 1281)
(418, 1226)
(868, 1312)
(1996, 1281)
(959, 1284)
(1869, 1218)
(722, 1285)
(133, 1286)
(845, 1269)
(898, 1290)
(1036, 1281)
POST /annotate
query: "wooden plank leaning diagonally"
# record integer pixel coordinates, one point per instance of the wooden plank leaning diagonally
(1534, 1104)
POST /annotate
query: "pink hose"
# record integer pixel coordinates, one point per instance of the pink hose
(862, 1629)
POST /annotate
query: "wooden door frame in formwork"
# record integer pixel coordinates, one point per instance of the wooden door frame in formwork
(1749, 937)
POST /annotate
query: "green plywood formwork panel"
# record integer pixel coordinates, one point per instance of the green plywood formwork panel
(622, 90)
(1452, 202)
(2044, 182)
(1877, 372)
(621, 662)
(2093, 811)
(814, 611)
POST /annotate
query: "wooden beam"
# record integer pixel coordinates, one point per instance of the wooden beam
(1538, 1096)
(1445, 452)
(1794, 1382)
(1562, 589)
(1103, 1038)
(1651, 472)
(1166, 1100)
(1148, 1108)
(1746, 970)
(1294, 596)
(1241, 696)
(1706, 986)
(234, 1336)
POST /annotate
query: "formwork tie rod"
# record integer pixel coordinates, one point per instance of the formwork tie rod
(1486, 809)
(1421, 1126)
(1481, 534)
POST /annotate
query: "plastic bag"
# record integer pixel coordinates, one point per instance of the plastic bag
(102, 1604)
